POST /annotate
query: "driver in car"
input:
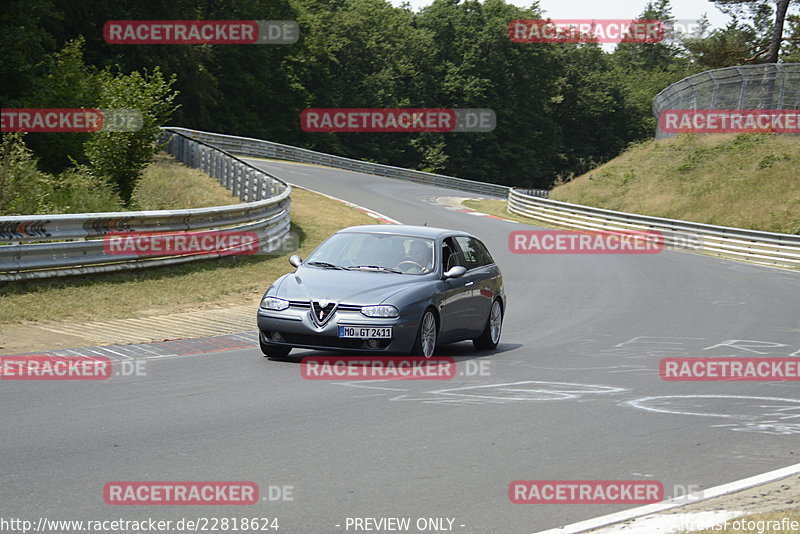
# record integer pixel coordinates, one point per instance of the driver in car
(418, 259)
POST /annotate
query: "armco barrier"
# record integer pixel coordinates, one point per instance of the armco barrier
(767, 248)
(246, 146)
(42, 246)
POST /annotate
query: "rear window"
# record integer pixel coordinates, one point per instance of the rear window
(475, 253)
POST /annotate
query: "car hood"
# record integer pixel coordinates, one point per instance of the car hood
(348, 287)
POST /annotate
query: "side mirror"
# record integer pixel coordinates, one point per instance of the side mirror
(455, 272)
(295, 260)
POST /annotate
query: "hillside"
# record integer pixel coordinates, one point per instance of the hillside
(746, 180)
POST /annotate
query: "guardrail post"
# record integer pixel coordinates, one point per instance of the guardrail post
(178, 150)
(249, 187)
(235, 186)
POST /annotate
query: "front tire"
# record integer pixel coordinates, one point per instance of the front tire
(425, 344)
(274, 351)
(490, 336)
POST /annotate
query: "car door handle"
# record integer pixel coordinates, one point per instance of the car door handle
(469, 283)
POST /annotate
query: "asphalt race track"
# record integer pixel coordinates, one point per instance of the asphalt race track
(573, 393)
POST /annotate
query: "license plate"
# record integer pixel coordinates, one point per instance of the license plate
(363, 332)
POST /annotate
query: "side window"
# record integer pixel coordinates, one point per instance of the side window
(484, 252)
(451, 256)
(473, 256)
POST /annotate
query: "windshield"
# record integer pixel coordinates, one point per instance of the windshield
(399, 254)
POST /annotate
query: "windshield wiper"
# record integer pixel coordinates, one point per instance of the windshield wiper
(325, 265)
(375, 268)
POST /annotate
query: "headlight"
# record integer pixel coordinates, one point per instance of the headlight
(274, 303)
(380, 311)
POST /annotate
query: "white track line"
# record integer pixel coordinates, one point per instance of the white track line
(693, 498)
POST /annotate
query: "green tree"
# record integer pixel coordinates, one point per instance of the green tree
(723, 47)
(476, 65)
(24, 43)
(757, 33)
(122, 156)
(651, 56)
(644, 69)
(591, 102)
(68, 82)
(792, 49)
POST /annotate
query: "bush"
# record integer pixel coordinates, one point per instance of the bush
(23, 188)
(77, 192)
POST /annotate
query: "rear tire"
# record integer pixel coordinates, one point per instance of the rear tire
(425, 344)
(273, 351)
(490, 336)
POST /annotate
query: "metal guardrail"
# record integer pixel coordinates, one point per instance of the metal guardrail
(57, 245)
(760, 86)
(766, 248)
(246, 146)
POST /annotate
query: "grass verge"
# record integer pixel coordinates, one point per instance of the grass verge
(744, 181)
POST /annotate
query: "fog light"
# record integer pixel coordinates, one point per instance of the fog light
(372, 343)
(277, 336)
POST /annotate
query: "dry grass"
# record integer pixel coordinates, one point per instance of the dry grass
(214, 283)
(167, 185)
(746, 181)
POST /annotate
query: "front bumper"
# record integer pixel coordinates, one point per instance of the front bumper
(297, 329)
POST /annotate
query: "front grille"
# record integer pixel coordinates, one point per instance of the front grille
(306, 305)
